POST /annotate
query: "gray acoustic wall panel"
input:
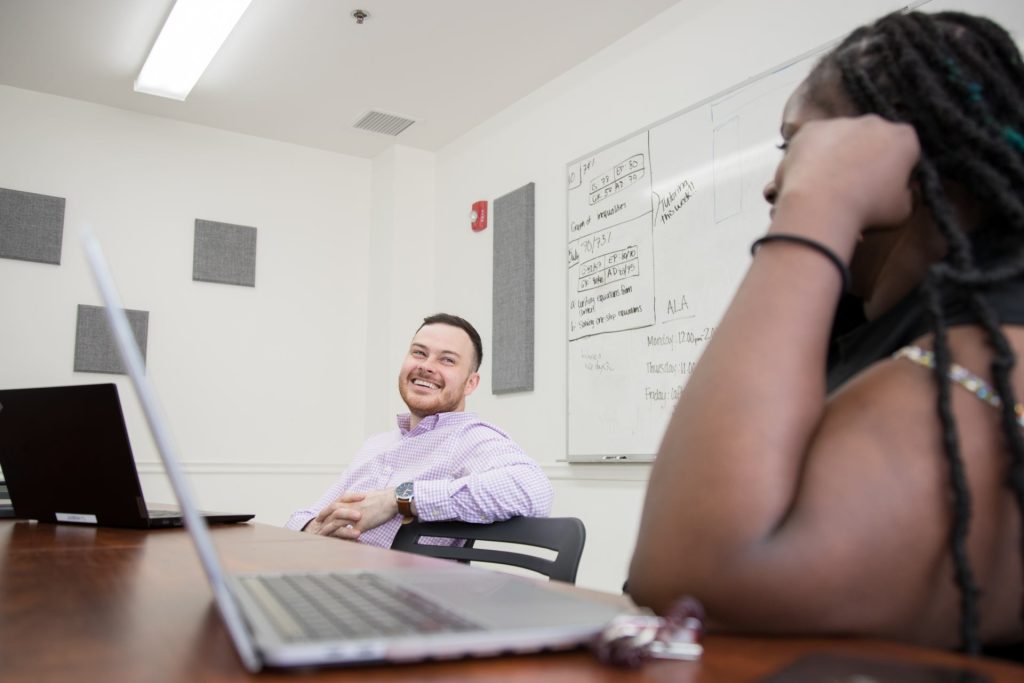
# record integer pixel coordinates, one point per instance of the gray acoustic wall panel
(31, 226)
(224, 253)
(512, 334)
(95, 349)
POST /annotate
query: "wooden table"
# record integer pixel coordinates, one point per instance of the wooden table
(111, 605)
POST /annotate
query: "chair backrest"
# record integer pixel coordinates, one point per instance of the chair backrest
(565, 535)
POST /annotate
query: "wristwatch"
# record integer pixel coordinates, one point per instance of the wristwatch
(404, 497)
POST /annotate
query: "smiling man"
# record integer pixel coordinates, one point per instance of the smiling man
(441, 463)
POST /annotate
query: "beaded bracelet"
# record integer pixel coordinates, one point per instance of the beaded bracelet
(844, 271)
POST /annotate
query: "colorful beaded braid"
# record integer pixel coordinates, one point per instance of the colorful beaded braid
(961, 376)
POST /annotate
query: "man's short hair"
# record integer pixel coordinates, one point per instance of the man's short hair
(462, 324)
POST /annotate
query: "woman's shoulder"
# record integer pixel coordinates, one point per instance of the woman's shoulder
(884, 425)
(881, 432)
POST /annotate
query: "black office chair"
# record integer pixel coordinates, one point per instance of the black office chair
(565, 535)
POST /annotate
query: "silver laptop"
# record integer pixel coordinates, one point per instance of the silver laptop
(356, 617)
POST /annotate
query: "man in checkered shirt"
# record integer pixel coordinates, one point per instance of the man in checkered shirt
(441, 463)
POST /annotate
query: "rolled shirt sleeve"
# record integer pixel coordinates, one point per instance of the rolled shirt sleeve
(498, 481)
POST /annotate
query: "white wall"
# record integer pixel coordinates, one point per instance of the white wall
(690, 52)
(264, 386)
(401, 262)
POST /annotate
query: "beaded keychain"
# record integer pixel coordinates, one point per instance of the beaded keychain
(630, 640)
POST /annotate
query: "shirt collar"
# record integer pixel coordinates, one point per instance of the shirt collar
(431, 422)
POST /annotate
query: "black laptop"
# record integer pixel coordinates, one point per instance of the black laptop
(66, 457)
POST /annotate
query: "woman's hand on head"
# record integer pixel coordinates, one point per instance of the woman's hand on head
(855, 169)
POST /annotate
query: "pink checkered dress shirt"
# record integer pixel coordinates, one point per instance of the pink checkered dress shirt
(461, 468)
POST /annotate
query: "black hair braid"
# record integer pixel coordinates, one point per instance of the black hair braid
(957, 79)
(1003, 358)
(1006, 158)
(988, 137)
(943, 94)
(977, 58)
(980, 279)
(995, 41)
(935, 199)
(995, 186)
(951, 446)
(1002, 365)
(866, 97)
(997, 189)
(861, 88)
(1005, 69)
(909, 46)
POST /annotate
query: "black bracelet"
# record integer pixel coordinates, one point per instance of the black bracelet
(844, 271)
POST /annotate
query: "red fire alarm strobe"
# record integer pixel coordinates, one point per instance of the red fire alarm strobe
(478, 216)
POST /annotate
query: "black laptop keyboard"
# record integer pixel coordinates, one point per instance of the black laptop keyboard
(330, 606)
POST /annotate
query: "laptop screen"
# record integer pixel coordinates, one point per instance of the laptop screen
(67, 457)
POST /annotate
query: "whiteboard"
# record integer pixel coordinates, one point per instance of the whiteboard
(659, 228)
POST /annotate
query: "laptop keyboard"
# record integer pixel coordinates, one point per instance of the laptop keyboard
(332, 606)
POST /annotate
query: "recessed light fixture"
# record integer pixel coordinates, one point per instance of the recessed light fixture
(190, 38)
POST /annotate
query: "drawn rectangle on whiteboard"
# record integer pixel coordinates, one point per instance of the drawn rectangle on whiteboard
(512, 326)
(95, 350)
(31, 226)
(609, 257)
(727, 168)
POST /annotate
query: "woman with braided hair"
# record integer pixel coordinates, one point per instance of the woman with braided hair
(869, 478)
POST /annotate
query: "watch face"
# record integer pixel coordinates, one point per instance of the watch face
(404, 490)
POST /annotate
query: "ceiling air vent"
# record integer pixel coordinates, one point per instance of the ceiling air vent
(379, 122)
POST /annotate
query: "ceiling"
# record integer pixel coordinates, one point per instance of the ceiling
(303, 71)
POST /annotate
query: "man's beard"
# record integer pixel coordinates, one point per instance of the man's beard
(422, 406)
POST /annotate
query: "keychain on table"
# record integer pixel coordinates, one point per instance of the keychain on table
(629, 640)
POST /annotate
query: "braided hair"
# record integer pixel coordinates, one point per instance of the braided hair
(959, 80)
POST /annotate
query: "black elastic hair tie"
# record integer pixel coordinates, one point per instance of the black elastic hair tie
(844, 271)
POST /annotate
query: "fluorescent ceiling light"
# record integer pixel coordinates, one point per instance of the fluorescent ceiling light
(194, 32)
